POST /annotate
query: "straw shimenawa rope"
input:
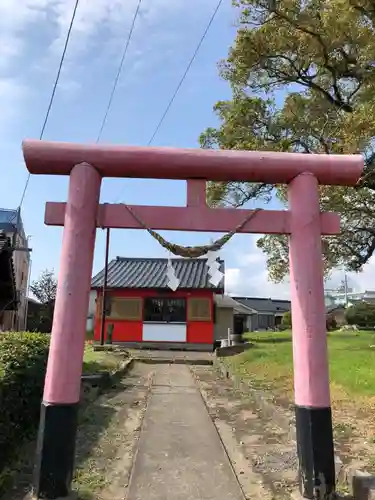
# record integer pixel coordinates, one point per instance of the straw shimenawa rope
(197, 251)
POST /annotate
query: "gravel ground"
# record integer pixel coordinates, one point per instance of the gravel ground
(261, 447)
(267, 449)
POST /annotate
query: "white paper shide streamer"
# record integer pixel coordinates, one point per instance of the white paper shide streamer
(173, 281)
(214, 273)
(214, 268)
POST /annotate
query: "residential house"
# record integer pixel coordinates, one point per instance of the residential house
(267, 313)
(8, 296)
(230, 314)
(12, 226)
(336, 313)
(146, 312)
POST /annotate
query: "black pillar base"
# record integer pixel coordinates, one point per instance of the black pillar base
(315, 452)
(55, 450)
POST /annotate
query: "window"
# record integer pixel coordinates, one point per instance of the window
(165, 310)
(200, 309)
(266, 321)
(127, 308)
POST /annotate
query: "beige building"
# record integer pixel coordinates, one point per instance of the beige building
(11, 224)
(230, 314)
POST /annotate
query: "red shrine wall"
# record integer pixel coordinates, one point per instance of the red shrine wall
(196, 326)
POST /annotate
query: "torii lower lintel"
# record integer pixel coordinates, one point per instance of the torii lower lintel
(200, 219)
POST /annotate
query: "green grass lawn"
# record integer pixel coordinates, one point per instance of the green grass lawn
(269, 364)
(99, 361)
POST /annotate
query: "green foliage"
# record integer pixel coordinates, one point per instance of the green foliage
(318, 55)
(44, 289)
(287, 319)
(23, 358)
(361, 314)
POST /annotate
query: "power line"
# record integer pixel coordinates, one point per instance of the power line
(185, 73)
(52, 94)
(180, 83)
(119, 70)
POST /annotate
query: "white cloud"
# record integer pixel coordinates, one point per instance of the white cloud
(248, 275)
(99, 24)
(360, 282)
(252, 282)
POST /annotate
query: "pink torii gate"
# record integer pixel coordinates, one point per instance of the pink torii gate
(82, 214)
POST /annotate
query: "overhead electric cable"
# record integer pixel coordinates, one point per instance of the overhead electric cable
(119, 70)
(189, 65)
(52, 94)
(185, 73)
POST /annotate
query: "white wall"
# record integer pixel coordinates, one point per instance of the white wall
(163, 332)
(224, 320)
(92, 304)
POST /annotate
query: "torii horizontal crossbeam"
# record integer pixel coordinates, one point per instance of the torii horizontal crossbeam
(59, 158)
(192, 218)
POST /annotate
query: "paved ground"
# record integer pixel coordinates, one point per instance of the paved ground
(173, 431)
(172, 356)
(180, 455)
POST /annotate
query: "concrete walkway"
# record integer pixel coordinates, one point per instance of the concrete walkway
(183, 357)
(180, 455)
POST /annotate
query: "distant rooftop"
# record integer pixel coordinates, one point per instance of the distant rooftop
(261, 304)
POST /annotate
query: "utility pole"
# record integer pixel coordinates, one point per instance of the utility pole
(27, 288)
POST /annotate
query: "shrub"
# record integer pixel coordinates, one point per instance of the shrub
(23, 359)
(331, 323)
(286, 321)
(361, 314)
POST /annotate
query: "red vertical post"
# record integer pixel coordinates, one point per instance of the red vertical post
(311, 372)
(58, 422)
(196, 193)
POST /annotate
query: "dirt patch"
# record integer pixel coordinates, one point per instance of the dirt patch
(264, 425)
(353, 420)
(104, 465)
(268, 449)
(107, 436)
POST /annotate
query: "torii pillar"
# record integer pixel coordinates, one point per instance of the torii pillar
(80, 216)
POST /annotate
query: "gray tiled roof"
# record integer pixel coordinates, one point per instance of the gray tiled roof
(334, 307)
(8, 215)
(225, 301)
(261, 305)
(9, 220)
(151, 273)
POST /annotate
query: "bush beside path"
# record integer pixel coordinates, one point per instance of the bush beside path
(23, 361)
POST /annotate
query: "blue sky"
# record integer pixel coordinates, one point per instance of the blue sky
(165, 36)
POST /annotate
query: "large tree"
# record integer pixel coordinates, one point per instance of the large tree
(303, 79)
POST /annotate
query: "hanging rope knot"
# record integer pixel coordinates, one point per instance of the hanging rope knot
(197, 251)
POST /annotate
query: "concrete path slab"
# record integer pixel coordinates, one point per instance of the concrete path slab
(180, 455)
(188, 357)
